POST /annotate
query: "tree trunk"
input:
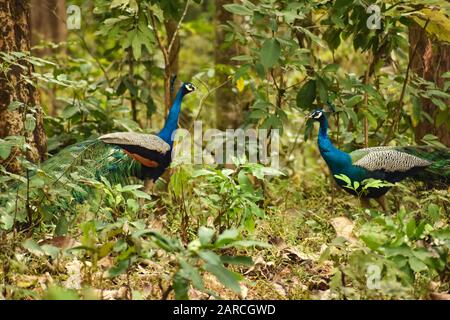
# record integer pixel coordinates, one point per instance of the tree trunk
(15, 36)
(171, 26)
(48, 22)
(431, 60)
(228, 113)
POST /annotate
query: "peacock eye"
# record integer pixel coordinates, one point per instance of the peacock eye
(190, 87)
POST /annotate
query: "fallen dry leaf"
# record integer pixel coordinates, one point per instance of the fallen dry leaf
(74, 272)
(344, 228)
(294, 254)
(62, 242)
(244, 292)
(279, 289)
(439, 296)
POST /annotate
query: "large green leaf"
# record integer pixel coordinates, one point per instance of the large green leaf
(205, 235)
(227, 278)
(306, 95)
(238, 9)
(270, 52)
(438, 24)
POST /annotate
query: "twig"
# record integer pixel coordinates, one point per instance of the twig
(366, 98)
(86, 47)
(294, 145)
(158, 39)
(207, 96)
(169, 50)
(29, 212)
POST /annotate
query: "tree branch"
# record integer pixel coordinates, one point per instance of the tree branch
(178, 27)
(158, 39)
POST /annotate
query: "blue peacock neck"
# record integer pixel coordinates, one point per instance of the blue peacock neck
(172, 119)
(337, 160)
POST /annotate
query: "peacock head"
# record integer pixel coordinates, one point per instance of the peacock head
(317, 115)
(188, 87)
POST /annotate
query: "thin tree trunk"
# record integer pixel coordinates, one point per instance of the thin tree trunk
(228, 113)
(48, 23)
(171, 26)
(15, 36)
(431, 60)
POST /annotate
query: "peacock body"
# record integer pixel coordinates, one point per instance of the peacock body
(392, 164)
(119, 156)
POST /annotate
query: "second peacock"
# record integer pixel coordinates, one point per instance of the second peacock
(390, 163)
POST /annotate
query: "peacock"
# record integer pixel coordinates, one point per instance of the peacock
(121, 155)
(390, 164)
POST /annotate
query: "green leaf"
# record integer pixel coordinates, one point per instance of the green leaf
(333, 67)
(205, 235)
(50, 250)
(260, 70)
(238, 9)
(119, 3)
(344, 178)
(210, 257)
(14, 105)
(192, 274)
(247, 244)
(141, 194)
(242, 58)
(411, 228)
(309, 129)
(5, 149)
(306, 95)
(58, 293)
(180, 287)
(373, 240)
(322, 89)
(62, 226)
(340, 4)
(239, 260)
(30, 123)
(227, 278)
(70, 111)
(119, 269)
(417, 265)
(434, 211)
(33, 247)
(270, 52)
(226, 237)
(136, 45)
(353, 101)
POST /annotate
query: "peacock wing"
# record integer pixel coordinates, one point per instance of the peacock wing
(388, 159)
(149, 150)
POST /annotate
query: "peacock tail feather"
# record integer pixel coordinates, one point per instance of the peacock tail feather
(75, 166)
(426, 163)
(438, 172)
(93, 159)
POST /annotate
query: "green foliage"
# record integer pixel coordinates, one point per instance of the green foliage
(231, 198)
(293, 57)
(362, 188)
(403, 251)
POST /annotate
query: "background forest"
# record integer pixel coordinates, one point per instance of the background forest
(210, 231)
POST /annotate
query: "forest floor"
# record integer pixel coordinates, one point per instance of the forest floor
(313, 232)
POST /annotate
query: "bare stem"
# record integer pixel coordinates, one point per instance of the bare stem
(172, 41)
